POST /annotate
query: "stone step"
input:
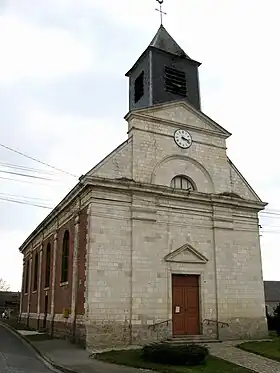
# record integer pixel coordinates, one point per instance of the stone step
(191, 339)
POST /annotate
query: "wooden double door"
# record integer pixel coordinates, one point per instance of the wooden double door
(185, 305)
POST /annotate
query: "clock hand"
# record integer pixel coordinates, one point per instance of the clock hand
(185, 139)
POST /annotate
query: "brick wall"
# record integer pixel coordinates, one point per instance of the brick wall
(46, 290)
(81, 262)
(34, 293)
(63, 292)
(24, 298)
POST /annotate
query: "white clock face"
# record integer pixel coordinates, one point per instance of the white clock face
(183, 139)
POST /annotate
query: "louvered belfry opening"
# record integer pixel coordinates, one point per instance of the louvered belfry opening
(175, 81)
(139, 87)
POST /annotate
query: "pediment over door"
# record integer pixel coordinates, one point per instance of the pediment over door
(186, 254)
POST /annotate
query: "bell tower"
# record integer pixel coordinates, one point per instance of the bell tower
(163, 73)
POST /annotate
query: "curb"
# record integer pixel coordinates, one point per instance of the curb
(48, 362)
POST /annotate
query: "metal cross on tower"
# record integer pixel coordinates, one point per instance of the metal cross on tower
(160, 10)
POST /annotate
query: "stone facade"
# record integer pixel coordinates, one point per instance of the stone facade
(136, 223)
(130, 232)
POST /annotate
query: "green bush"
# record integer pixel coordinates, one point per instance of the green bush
(164, 353)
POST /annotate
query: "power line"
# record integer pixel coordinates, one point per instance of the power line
(270, 214)
(37, 160)
(30, 182)
(25, 203)
(22, 202)
(26, 175)
(24, 197)
(272, 210)
(25, 168)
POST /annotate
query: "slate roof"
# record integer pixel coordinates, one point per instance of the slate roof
(164, 41)
(272, 291)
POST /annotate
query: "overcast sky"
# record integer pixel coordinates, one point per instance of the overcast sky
(63, 89)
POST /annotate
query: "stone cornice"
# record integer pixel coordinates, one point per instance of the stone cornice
(124, 185)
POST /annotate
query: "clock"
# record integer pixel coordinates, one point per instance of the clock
(183, 139)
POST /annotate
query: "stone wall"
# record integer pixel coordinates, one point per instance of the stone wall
(109, 270)
(129, 281)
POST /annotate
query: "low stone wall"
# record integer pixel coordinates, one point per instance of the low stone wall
(120, 334)
(244, 328)
(106, 334)
(58, 329)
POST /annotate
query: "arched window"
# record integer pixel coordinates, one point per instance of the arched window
(35, 278)
(65, 257)
(48, 266)
(182, 182)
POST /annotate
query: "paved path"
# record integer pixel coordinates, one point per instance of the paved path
(18, 357)
(259, 364)
(69, 356)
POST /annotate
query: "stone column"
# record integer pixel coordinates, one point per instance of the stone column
(39, 290)
(75, 274)
(53, 280)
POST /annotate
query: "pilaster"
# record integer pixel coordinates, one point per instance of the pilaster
(88, 250)
(75, 269)
(54, 273)
(39, 290)
(29, 285)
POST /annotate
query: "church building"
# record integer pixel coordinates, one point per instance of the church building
(158, 241)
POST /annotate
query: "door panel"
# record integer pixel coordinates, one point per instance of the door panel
(185, 304)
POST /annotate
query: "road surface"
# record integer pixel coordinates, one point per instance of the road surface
(17, 356)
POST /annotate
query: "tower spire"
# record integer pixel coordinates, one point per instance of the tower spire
(163, 73)
(161, 11)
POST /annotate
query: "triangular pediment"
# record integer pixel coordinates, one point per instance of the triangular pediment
(115, 164)
(240, 185)
(186, 254)
(182, 113)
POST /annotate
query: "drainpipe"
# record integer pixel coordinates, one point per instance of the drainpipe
(131, 272)
(215, 274)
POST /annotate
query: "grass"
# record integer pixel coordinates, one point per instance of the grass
(133, 358)
(270, 350)
(273, 334)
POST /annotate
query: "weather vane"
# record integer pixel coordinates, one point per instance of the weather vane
(160, 10)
